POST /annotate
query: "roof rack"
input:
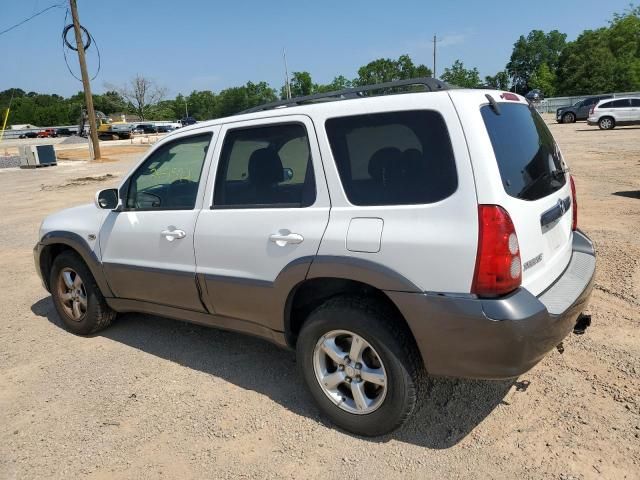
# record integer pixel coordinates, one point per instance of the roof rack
(430, 84)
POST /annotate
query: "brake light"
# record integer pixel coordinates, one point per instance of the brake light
(509, 96)
(593, 107)
(498, 267)
(574, 204)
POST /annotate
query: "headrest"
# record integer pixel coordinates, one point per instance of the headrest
(265, 167)
(383, 159)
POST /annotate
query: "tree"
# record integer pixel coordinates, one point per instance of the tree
(338, 83)
(141, 92)
(499, 81)
(460, 76)
(388, 70)
(300, 85)
(544, 80)
(532, 51)
(603, 60)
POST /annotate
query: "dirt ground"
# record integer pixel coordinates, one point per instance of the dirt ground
(155, 398)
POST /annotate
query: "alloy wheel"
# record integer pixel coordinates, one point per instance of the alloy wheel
(72, 294)
(350, 372)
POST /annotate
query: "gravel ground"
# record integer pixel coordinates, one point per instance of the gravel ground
(155, 398)
(10, 161)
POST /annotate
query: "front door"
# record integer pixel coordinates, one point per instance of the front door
(147, 249)
(269, 207)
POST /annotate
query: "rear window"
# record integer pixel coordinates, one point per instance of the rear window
(526, 153)
(393, 158)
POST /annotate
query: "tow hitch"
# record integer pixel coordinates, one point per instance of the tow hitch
(584, 321)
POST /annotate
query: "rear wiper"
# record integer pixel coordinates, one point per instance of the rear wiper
(554, 174)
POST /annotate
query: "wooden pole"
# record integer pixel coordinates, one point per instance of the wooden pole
(85, 81)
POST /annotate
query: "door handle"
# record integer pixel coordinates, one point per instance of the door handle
(172, 234)
(282, 239)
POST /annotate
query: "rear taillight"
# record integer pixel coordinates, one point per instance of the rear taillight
(498, 266)
(593, 107)
(574, 204)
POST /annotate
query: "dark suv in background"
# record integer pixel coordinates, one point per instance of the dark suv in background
(578, 111)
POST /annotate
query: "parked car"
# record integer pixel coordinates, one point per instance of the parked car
(64, 132)
(534, 95)
(165, 128)
(608, 114)
(381, 237)
(29, 135)
(145, 128)
(47, 133)
(185, 121)
(578, 111)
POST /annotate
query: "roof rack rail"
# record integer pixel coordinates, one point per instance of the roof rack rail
(430, 83)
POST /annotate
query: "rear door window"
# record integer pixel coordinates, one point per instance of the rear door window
(635, 102)
(620, 103)
(393, 158)
(528, 158)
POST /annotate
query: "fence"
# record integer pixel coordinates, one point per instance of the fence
(550, 105)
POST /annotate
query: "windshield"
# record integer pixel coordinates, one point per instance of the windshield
(528, 158)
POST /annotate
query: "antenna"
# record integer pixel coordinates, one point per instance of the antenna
(287, 86)
(435, 41)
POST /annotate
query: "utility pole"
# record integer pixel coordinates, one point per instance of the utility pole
(287, 86)
(435, 40)
(85, 81)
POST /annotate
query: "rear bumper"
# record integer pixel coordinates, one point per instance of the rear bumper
(499, 338)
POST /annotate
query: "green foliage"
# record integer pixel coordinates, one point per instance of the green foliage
(544, 79)
(499, 81)
(460, 76)
(388, 70)
(530, 52)
(603, 60)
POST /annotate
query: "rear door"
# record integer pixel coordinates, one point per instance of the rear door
(519, 166)
(622, 110)
(265, 212)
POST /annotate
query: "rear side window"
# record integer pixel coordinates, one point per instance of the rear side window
(621, 103)
(606, 105)
(635, 102)
(268, 166)
(528, 157)
(394, 158)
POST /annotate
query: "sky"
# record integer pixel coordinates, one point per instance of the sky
(210, 45)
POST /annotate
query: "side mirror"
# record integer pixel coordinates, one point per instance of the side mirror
(107, 199)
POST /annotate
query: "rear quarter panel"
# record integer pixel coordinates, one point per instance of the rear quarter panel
(433, 245)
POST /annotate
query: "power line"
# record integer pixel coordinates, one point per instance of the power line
(66, 44)
(57, 5)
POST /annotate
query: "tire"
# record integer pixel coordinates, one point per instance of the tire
(568, 118)
(389, 349)
(79, 303)
(606, 123)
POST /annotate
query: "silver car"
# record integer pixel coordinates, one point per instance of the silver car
(608, 114)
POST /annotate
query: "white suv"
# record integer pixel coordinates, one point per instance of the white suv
(383, 237)
(608, 114)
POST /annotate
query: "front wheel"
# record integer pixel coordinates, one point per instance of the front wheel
(606, 123)
(568, 118)
(361, 365)
(76, 296)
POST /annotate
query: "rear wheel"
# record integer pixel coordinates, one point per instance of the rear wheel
(76, 296)
(568, 118)
(606, 123)
(360, 365)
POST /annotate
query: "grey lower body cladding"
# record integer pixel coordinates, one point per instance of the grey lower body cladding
(499, 338)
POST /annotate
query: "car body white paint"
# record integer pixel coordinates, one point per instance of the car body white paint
(434, 245)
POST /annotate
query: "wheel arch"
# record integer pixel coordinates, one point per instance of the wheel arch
(312, 292)
(57, 242)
